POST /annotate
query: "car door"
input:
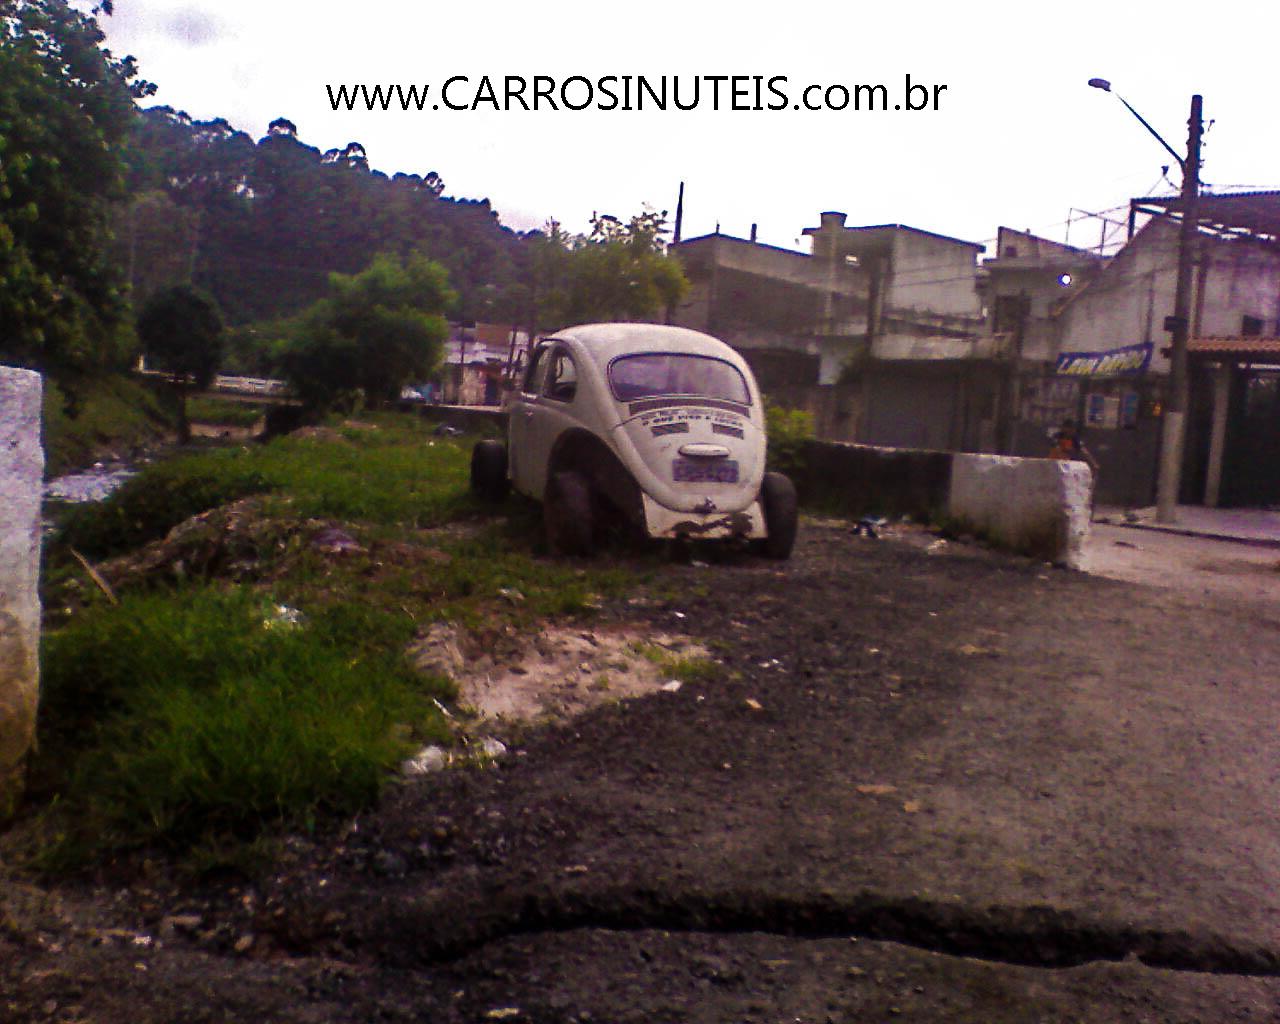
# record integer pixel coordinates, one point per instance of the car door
(522, 411)
(550, 415)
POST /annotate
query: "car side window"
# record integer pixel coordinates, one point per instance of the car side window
(562, 378)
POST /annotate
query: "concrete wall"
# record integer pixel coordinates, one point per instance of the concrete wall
(21, 472)
(1037, 507)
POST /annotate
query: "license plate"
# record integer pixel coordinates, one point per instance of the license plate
(700, 471)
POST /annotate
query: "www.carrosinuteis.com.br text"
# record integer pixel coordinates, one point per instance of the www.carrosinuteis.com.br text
(628, 93)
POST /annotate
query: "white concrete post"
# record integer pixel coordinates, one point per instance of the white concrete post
(21, 472)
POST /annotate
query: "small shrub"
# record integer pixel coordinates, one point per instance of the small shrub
(788, 430)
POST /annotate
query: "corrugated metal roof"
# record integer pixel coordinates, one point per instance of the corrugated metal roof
(1261, 346)
(1256, 213)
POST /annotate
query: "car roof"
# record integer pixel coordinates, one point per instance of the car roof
(605, 342)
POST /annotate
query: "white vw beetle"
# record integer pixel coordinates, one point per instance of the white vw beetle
(661, 425)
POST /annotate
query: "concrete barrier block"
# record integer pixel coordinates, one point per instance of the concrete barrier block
(1039, 507)
(21, 473)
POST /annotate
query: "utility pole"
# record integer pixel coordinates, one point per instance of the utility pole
(1175, 418)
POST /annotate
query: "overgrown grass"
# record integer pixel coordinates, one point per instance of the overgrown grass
(149, 505)
(191, 718)
(223, 412)
(395, 473)
(179, 718)
(114, 411)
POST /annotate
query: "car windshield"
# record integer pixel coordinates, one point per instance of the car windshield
(669, 373)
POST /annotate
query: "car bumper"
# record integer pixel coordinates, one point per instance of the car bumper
(660, 521)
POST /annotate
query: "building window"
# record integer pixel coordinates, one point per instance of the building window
(1251, 327)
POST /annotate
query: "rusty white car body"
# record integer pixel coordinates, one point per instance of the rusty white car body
(662, 424)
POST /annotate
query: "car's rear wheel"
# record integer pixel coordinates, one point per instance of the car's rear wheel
(781, 515)
(568, 514)
(489, 470)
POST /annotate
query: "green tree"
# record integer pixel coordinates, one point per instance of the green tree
(66, 108)
(374, 333)
(181, 333)
(620, 271)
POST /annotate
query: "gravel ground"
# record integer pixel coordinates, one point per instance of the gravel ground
(931, 783)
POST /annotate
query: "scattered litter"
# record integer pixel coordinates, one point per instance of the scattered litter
(876, 789)
(489, 747)
(753, 704)
(672, 687)
(912, 807)
(244, 943)
(700, 565)
(678, 615)
(445, 430)
(935, 547)
(282, 617)
(427, 760)
(771, 663)
(511, 594)
(873, 650)
(442, 709)
(1119, 544)
(972, 650)
(503, 1013)
(576, 869)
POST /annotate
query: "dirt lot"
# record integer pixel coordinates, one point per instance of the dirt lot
(929, 783)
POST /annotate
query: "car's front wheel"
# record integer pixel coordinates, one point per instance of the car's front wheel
(781, 515)
(568, 514)
(489, 470)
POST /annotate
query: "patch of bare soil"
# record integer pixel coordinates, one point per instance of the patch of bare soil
(932, 783)
(557, 673)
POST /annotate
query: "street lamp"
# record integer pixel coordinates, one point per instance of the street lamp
(1175, 416)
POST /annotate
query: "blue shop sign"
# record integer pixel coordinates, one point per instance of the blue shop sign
(1117, 362)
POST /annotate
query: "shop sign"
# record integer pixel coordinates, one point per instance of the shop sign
(1130, 360)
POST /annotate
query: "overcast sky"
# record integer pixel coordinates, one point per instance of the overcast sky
(1018, 139)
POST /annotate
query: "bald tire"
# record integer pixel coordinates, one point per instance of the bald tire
(781, 515)
(568, 514)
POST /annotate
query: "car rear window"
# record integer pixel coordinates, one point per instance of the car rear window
(653, 374)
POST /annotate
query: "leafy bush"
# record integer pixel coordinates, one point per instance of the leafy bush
(158, 499)
(788, 430)
(179, 718)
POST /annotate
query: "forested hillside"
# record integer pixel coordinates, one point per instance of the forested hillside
(260, 225)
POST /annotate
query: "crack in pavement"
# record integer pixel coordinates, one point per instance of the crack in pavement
(441, 930)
